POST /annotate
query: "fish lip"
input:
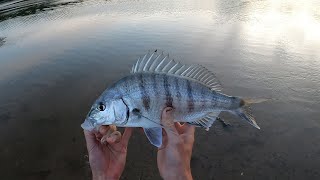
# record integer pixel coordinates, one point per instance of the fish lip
(87, 125)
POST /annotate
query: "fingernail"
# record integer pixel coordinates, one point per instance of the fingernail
(169, 109)
(103, 142)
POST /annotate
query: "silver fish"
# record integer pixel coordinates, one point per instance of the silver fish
(157, 82)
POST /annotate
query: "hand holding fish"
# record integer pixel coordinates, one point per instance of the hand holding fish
(175, 153)
(107, 151)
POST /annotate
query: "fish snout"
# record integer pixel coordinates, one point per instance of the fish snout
(87, 125)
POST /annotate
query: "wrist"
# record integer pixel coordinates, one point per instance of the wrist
(178, 176)
(103, 177)
(188, 176)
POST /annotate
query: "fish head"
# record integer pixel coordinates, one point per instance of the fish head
(112, 112)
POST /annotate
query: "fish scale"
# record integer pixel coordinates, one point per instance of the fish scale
(166, 90)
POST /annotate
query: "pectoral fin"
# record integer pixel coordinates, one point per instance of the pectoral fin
(154, 135)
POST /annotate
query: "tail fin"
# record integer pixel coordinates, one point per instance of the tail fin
(245, 114)
(244, 110)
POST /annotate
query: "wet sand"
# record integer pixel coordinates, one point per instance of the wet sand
(53, 66)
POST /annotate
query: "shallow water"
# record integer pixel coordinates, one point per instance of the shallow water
(55, 59)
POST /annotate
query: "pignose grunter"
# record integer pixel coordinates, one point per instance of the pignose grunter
(156, 82)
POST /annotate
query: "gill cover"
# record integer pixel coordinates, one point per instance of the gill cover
(120, 111)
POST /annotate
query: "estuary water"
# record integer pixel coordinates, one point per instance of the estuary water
(56, 57)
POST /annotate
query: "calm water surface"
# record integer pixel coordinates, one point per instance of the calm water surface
(56, 57)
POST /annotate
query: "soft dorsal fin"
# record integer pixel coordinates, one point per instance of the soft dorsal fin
(159, 63)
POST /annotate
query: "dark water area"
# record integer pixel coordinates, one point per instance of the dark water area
(56, 57)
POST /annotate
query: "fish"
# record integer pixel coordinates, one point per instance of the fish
(157, 82)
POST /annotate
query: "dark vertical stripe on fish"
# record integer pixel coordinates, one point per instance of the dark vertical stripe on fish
(178, 94)
(213, 100)
(169, 100)
(126, 84)
(190, 97)
(154, 82)
(144, 94)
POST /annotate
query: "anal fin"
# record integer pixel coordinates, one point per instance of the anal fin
(206, 121)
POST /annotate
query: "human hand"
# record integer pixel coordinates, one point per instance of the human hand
(175, 153)
(107, 152)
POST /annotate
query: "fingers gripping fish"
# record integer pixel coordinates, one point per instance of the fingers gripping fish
(156, 82)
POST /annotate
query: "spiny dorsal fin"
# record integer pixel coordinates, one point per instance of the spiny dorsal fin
(159, 63)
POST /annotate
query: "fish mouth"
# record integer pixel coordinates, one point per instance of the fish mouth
(87, 125)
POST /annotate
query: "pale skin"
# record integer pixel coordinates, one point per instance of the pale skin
(174, 156)
(107, 150)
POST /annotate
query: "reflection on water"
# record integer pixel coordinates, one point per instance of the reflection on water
(298, 21)
(54, 63)
(16, 8)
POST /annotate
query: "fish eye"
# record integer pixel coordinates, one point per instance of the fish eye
(101, 107)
